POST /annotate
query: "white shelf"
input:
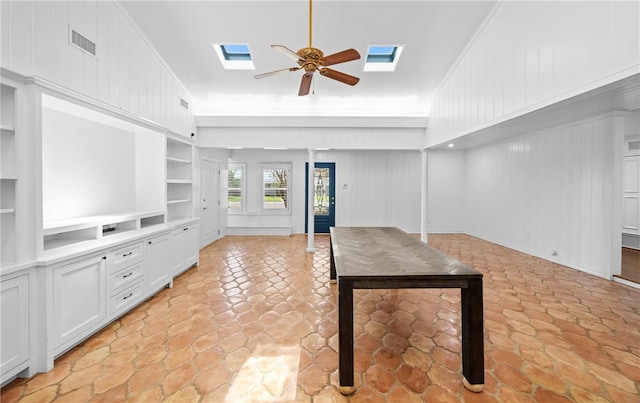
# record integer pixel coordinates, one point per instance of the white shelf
(73, 224)
(62, 233)
(179, 180)
(7, 211)
(9, 128)
(178, 160)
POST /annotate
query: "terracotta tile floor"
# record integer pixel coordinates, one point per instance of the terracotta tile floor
(256, 322)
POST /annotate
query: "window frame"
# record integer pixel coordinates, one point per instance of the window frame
(233, 166)
(276, 211)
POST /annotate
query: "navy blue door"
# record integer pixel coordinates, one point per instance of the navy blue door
(324, 205)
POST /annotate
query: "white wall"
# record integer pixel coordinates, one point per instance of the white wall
(532, 54)
(447, 191)
(555, 190)
(380, 188)
(351, 138)
(126, 73)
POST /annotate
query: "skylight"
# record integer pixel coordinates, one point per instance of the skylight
(382, 57)
(234, 56)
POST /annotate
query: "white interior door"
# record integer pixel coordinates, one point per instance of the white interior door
(209, 219)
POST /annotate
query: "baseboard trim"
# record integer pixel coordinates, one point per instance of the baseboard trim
(255, 231)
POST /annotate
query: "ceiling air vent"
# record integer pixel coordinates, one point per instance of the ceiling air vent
(83, 43)
(184, 104)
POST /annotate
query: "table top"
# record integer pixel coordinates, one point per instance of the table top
(390, 252)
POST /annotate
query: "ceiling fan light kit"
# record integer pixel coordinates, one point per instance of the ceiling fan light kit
(311, 60)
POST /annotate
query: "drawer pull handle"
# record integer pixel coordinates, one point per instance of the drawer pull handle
(185, 229)
(128, 254)
(128, 296)
(128, 275)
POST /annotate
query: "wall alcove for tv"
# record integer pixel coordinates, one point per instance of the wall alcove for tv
(101, 176)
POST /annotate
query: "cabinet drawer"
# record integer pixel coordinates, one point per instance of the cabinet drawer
(125, 276)
(126, 298)
(122, 256)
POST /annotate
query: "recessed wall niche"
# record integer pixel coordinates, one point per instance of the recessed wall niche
(94, 164)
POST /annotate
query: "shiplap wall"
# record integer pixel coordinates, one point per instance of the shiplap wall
(446, 191)
(529, 55)
(556, 190)
(372, 188)
(125, 74)
(383, 138)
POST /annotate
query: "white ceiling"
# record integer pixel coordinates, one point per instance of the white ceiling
(434, 34)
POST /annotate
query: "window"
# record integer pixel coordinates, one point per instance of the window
(275, 183)
(234, 56)
(382, 58)
(235, 188)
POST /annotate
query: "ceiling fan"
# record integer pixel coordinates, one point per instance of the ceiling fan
(311, 60)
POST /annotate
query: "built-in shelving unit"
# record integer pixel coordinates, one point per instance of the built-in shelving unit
(179, 180)
(61, 233)
(8, 175)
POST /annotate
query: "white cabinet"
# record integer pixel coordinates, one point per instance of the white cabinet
(79, 301)
(157, 265)
(184, 248)
(14, 329)
(191, 242)
(125, 281)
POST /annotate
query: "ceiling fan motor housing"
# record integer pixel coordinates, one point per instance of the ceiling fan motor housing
(310, 58)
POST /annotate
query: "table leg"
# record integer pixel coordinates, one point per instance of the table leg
(472, 336)
(332, 263)
(345, 336)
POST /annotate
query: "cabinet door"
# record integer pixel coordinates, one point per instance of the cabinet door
(79, 300)
(14, 329)
(191, 242)
(176, 248)
(157, 264)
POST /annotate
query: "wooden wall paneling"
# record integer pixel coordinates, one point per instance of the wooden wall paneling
(76, 56)
(143, 65)
(90, 63)
(546, 39)
(5, 33)
(161, 96)
(21, 28)
(43, 40)
(114, 60)
(547, 50)
(103, 50)
(148, 83)
(561, 35)
(580, 18)
(127, 42)
(600, 40)
(157, 83)
(135, 73)
(624, 14)
(547, 191)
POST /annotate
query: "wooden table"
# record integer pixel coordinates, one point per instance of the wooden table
(382, 257)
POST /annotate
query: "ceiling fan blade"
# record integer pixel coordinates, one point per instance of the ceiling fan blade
(340, 57)
(287, 52)
(342, 77)
(273, 73)
(305, 84)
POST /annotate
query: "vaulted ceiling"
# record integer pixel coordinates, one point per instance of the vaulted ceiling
(434, 33)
